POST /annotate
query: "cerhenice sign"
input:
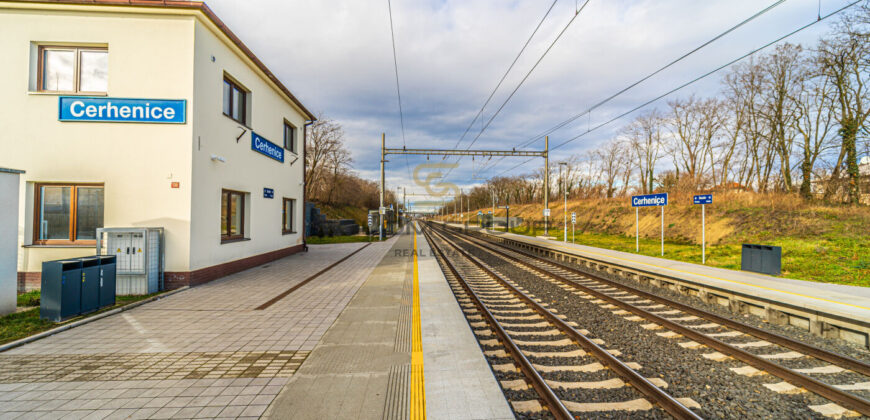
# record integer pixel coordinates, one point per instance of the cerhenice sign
(266, 147)
(649, 200)
(102, 109)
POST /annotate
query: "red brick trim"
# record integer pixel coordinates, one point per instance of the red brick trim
(176, 279)
(28, 281)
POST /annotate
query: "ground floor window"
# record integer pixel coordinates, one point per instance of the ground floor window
(287, 216)
(232, 215)
(67, 213)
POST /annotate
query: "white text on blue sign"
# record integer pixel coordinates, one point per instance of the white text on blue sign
(91, 109)
(703, 199)
(649, 200)
(266, 147)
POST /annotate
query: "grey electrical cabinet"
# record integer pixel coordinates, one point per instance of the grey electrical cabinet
(61, 289)
(107, 280)
(139, 258)
(763, 259)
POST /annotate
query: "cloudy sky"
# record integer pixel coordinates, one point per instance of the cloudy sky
(336, 56)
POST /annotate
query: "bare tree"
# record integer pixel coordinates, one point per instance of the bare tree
(694, 124)
(324, 138)
(814, 121)
(644, 136)
(844, 57)
(782, 85)
(608, 157)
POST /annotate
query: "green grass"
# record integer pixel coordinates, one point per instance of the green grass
(317, 240)
(30, 298)
(26, 323)
(829, 259)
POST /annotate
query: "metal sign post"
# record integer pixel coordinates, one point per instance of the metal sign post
(573, 222)
(649, 200)
(546, 216)
(703, 200)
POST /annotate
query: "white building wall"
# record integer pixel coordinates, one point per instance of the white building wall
(150, 56)
(244, 169)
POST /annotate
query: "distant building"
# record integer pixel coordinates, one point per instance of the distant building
(820, 184)
(147, 114)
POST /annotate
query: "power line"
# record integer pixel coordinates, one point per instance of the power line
(703, 76)
(505, 74)
(398, 90)
(529, 73)
(645, 78)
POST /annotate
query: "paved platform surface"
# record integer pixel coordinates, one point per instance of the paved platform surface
(202, 353)
(850, 302)
(362, 367)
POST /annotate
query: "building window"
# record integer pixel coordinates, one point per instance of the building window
(289, 137)
(67, 213)
(73, 69)
(232, 215)
(287, 216)
(235, 101)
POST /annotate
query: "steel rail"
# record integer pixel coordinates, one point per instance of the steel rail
(843, 398)
(551, 401)
(819, 353)
(642, 384)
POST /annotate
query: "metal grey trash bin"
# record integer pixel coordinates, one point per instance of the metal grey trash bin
(90, 284)
(107, 280)
(61, 289)
(763, 259)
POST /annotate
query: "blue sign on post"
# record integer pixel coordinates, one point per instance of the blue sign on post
(649, 200)
(266, 147)
(102, 109)
(268, 193)
(703, 199)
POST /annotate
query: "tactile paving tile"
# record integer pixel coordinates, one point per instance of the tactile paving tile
(132, 366)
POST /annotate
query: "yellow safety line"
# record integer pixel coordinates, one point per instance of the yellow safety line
(418, 390)
(702, 275)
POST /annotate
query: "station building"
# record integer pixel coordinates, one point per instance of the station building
(147, 114)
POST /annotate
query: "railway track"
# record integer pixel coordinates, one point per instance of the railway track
(797, 364)
(554, 357)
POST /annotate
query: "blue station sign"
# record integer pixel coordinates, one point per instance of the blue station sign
(268, 193)
(266, 147)
(102, 109)
(703, 199)
(649, 200)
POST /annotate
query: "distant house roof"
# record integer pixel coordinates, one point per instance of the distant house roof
(196, 5)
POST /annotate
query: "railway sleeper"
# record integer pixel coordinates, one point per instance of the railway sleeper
(811, 322)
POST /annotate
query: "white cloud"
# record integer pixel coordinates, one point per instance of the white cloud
(337, 58)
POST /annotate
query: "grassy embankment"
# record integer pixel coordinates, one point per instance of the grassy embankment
(823, 243)
(26, 323)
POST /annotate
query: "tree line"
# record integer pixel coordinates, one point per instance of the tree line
(329, 177)
(792, 120)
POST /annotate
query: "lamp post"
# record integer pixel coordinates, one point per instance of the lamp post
(565, 194)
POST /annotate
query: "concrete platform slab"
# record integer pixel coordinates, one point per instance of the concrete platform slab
(203, 352)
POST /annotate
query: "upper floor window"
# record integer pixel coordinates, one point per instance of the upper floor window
(235, 101)
(289, 137)
(73, 69)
